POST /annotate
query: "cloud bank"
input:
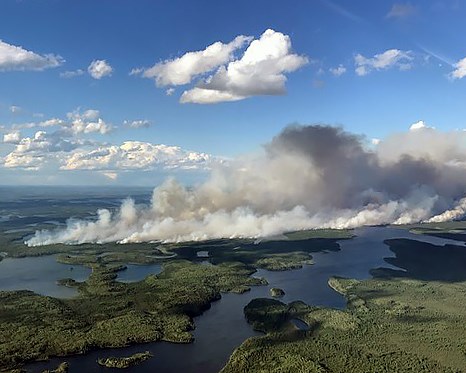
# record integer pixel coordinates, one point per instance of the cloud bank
(307, 177)
(71, 144)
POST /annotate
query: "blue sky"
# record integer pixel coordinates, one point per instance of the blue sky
(374, 67)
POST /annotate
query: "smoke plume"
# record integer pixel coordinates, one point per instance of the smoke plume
(307, 177)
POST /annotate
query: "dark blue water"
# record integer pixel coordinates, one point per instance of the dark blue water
(136, 272)
(40, 274)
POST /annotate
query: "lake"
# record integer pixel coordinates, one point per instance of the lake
(40, 274)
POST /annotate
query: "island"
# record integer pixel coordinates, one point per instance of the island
(124, 362)
(277, 292)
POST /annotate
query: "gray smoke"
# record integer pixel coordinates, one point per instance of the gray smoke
(306, 177)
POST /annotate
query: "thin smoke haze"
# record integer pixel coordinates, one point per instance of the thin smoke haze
(307, 177)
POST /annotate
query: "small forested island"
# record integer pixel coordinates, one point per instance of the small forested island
(124, 362)
(277, 292)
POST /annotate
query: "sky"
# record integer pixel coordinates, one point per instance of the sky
(120, 92)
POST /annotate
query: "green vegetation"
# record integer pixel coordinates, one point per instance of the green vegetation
(277, 292)
(108, 313)
(271, 255)
(141, 253)
(125, 362)
(390, 325)
(320, 233)
(270, 315)
(284, 262)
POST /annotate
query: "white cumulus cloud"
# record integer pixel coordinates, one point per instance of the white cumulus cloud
(16, 58)
(182, 70)
(260, 71)
(45, 123)
(15, 109)
(99, 69)
(338, 71)
(12, 137)
(140, 123)
(225, 76)
(402, 60)
(460, 69)
(33, 153)
(71, 74)
(65, 144)
(419, 125)
(136, 155)
(77, 122)
(208, 96)
(87, 122)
